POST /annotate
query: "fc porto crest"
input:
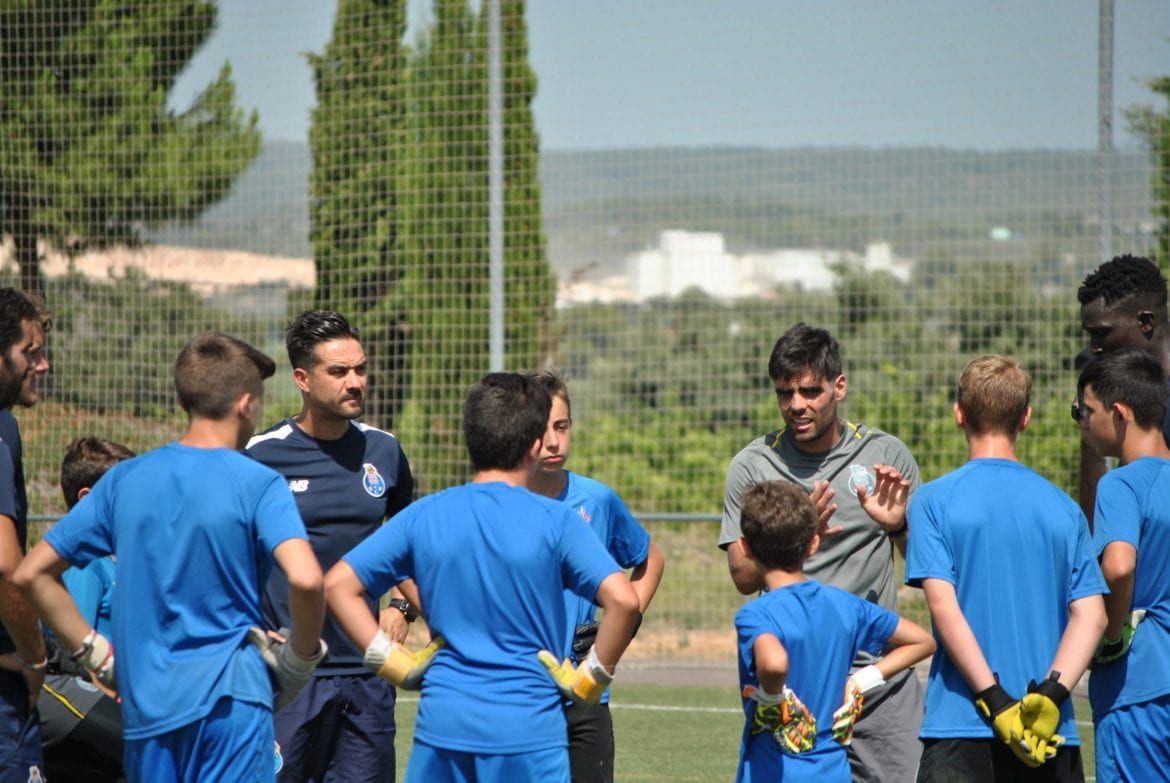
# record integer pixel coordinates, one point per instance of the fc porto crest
(372, 480)
(860, 477)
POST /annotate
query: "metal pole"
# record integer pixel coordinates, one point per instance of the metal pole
(495, 190)
(1105, 129)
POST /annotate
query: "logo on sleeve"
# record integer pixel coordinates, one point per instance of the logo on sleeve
(372, 481)
(860, 477)
(581, 512)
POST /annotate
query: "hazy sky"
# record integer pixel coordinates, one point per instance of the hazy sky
(982, 74)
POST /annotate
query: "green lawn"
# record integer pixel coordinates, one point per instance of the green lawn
(676, 733)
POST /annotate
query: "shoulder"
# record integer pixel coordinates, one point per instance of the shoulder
(590, 487)
(756, 450)
(373, 434)
(273, 436)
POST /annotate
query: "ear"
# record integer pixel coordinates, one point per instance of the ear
(532, 456)
(83, 492)
(1026, 419)
(301, 378)
(960, 417)
(814, 545)
(1146, 323)
(840, 387)
(747, 550)
(1120, 410)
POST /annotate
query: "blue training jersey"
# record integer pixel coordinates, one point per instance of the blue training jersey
(92, 590)
(491, 562)
(344, 489)
(193, 530)
(822, 628)
(1133, 506)
(1017, 550)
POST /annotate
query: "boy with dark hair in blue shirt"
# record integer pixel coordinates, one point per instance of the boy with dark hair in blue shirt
(490, 561)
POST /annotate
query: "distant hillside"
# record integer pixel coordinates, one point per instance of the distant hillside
(601, 205)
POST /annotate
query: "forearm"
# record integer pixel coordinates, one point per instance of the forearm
(744, 574)
(21, 623)
(646, 576)
(345, 598)
(306, 607)
(1086, 624)
(1118, 562)
(1091, 470)
(958, 640)
(620, 602)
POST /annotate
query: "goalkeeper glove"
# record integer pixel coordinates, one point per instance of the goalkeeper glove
(287, 669)
(1003, 711)
(861, 682)
(1040, 717)
(398, 665)
(586, 633)
(783, 716)
(97, 655)
(583, 684)
(1110, 650)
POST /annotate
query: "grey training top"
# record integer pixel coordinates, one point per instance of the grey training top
(860, 559)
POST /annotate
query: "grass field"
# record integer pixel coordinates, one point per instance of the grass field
(678, 733)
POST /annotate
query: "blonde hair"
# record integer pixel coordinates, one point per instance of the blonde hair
(994, 392)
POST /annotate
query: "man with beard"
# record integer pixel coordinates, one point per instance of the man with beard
(831, 457)
(21, 344)
(347, 478)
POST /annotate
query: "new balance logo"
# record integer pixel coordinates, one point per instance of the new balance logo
(298, 485)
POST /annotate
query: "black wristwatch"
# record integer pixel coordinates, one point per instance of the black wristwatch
(402, 605)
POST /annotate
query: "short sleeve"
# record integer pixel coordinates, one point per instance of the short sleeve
(585, 563)
(383, 559)
(277, 517)
(1117, 515)
(927, 555)
(629, 543)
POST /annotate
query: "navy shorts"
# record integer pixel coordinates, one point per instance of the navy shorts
(20, 733)
(339, 729)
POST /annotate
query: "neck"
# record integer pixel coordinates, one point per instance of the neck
(319, 426)
(992, 446)
(514, 477)
(551, 485)
(824, 443)
(1143, 443)
(775, 578)
(212, 434)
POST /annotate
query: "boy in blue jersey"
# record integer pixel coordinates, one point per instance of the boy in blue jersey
(798, 641)
(591, 742)
(1123, 401)
(1004, 559)
(491, 561)
(347, 478)
(22, 325)
(195, 526)
(81, 725)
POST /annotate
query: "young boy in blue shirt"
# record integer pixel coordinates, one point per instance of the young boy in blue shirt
(490, 561)
(1004, 559)
(591, 741)
(195, 526)
(798, 640)
(1123, 402)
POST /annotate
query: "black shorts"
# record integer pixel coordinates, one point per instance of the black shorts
(590, 743)
(991, 761)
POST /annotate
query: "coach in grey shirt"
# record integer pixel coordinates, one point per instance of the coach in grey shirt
(873, 474)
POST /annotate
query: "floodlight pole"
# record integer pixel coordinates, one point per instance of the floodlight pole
(495, 191)
(1105, 129)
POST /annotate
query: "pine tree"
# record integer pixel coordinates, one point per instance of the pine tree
(90, 154)
(357, 139)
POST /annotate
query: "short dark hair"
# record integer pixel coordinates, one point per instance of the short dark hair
(214, 369)
(803, 348)
(1126, 278)
(778, 521)
(86, 460)
(1130, 376)
(16, 307)
(554, 383)
(503, 415)
(311, 328)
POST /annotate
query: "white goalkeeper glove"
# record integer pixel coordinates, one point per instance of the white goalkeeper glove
(583, 684)
(398, 665)
(289, 671)
(865, 680)
(97, 655)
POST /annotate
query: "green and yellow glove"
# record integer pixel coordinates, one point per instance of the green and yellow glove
(1110, 650)
(583, 684)
(1040, 718)
(783, 716)
(398, 665)
(1003, 712)
(863, 681)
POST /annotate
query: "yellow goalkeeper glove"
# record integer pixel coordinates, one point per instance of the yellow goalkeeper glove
(785, 717)
(1004, 712)
(583, 684)
(1040, 718)
(863, 681)
(398, 665)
